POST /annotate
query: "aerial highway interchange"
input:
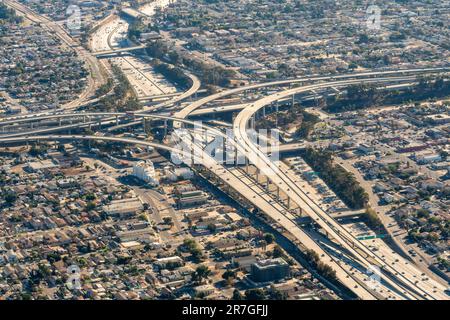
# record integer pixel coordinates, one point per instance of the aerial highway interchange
(260, 180)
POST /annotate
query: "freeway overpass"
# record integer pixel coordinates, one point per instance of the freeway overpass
(117, 51)
(159, 96)
(300, 81)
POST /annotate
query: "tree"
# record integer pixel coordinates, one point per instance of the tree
(363, 38)
(312, 256)
(10, 196)
(90, 197)
(168, 220)
(326, 270)
(192, 247)
(229, 276)
(255, 294)
(277, 252)
(422, 213)
(123, 260)
(269, 238)
(212, 227)
(202, 272)
(237, 295)
(444, 154)
(275, 294)
(90, 206)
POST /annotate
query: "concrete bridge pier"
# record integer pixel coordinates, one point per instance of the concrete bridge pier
(205, 137)
(277, 109)
(165, 127)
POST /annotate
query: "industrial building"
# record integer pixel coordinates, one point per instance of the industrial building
(124, 207)
(145, 171)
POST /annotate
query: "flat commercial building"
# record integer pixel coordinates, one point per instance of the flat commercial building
(269, 270)
(191, 198)
(174, 260)
(124, 207)
(41, 165)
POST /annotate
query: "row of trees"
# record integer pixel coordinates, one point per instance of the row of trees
(105, 88)
(294, 114)
(337, 178)
(8, 15)
(38, 149)
(371, 219)
(362, 96)
(123, 97)
(209, 74)
(282, 119)
(135, 30)
(323, 269)
(174, 74)
(309, 120)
